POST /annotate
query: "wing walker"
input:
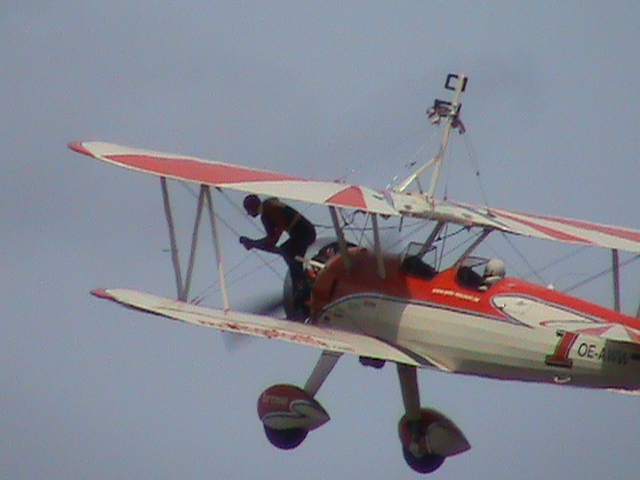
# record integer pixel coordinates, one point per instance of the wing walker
(408, 309)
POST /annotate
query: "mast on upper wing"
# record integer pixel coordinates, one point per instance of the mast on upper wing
(449, 113)
(421, 204)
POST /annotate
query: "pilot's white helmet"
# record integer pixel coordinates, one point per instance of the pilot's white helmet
(494, 268)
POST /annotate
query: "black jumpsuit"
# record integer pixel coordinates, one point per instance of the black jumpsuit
(277, 218)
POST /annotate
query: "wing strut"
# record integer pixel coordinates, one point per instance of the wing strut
(344, 251)
(183, 285)
(378, 249)
(615, 269)
(216, 242)
(485, 233)
(432, 238)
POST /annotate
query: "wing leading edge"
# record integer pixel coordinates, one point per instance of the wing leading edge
(234, 177)
(259, 326)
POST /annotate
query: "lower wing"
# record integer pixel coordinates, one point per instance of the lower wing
(260, 326)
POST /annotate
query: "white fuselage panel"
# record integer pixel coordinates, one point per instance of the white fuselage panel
(466, 342)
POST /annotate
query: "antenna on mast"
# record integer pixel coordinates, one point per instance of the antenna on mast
(449, 113)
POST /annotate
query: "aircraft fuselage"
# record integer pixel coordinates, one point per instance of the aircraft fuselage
(511, 330)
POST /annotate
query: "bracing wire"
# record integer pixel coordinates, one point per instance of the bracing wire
(362, 231)
(473, 156)
(523, 258)
(558, 261)
(229, 273)
(265, 262)
(367, 162)
(600, 274)
(475, 161)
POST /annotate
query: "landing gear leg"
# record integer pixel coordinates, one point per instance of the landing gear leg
(321, 371)
(410, 391)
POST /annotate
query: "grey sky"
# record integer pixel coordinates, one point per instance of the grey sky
(88, 390)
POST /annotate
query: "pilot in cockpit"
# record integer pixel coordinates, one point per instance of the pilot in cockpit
(494, 271)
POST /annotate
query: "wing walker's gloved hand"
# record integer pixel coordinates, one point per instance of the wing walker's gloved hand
(247, 243)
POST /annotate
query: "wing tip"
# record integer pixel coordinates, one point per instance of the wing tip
(78, 147)
(102, 293)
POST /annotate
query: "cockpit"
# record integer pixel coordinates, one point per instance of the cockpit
(414, 265)
(480, 273)
(472, 272)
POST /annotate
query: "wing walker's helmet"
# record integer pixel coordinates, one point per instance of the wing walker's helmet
(251, 204)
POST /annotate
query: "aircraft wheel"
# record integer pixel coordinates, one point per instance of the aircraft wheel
(427, 463)
(285, 439)
(428, 441)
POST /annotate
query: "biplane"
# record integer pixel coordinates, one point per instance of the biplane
(405, 308)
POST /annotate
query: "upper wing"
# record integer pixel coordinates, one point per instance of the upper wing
(350, 196)
(260, 326)
(546, 227)
(234, 177)
(569, 230)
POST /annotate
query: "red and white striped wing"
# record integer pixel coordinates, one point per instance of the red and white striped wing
(539, 226)
(234, 177)
(569, 230)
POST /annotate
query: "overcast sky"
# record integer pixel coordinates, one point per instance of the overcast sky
(90, 390)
